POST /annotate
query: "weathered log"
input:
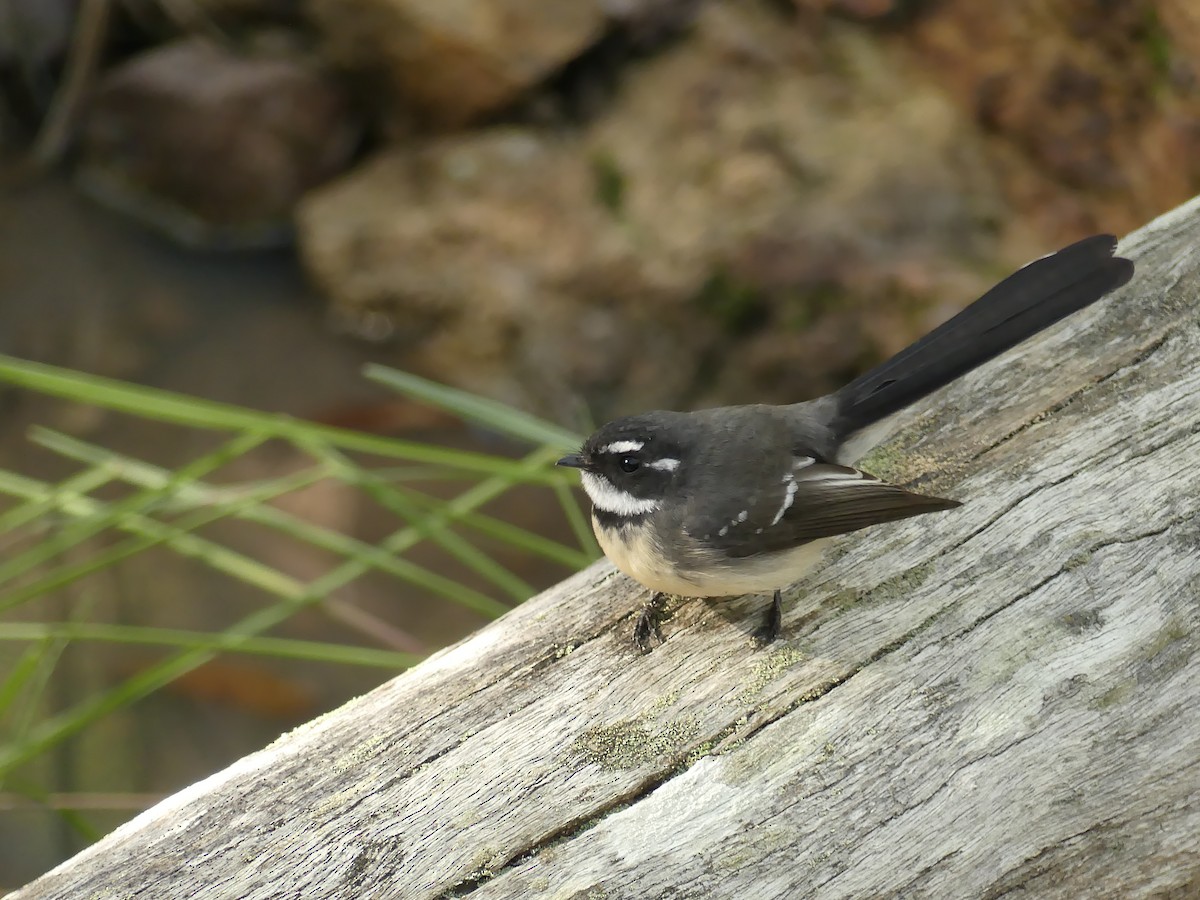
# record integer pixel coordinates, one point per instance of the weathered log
(995, 700)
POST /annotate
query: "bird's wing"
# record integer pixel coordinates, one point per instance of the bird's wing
(812, 500)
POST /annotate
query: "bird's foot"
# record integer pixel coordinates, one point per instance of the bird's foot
(772, 623)
(646, 633)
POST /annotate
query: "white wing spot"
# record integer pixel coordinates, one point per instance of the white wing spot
(835, 475)
(623, 447)
(801, 462)
(792, 486)
(737, 520)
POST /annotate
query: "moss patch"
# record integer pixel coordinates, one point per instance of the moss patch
(767, 670)
(632, 743)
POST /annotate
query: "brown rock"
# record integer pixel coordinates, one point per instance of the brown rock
(34, 33)
(455, 60)
(862, 10)
(213, 147)
(1178, 26)
(204, 16)
(495, 268)
(249, 10)
(647, 23)
(1091, 130)
(718, 234)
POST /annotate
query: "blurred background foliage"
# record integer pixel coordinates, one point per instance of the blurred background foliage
(560, 211)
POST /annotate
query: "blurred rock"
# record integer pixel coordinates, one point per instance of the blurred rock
(482, 252)
(646, 24)
(728, 230)
(875, 11)
(584, 87)
(455, 61)
(1179, 21)
(212, 147)
(207, 16)
(8, 128)
(34, 32)
(247, 10)
(1091, 126)
(34, 36)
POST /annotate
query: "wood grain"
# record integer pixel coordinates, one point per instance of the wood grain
(993, 701)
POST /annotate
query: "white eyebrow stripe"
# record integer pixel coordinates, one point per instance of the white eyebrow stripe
(666, 464)
(623, 447)
(613, 500)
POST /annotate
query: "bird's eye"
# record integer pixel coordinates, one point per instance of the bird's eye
(629, 463)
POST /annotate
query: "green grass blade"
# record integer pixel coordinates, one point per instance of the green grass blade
(490, 413)
(110, 515)
(284, 648)
(21, 716)
(186, 495)
(398, 501)
(518, 537)
(407, 537)
(149, 532)
(179, 409)
(578, 521)
(42, 499)
(203, 495)
(24, 670)
(60, 727)
(193, 504)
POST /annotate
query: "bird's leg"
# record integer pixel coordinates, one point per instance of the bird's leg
(772, 622)
(646, 627)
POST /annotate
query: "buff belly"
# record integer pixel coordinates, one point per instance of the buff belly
(635, 552)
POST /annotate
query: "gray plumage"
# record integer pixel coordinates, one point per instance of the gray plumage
(729, 500)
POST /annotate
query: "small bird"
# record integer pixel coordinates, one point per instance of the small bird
(738, 499)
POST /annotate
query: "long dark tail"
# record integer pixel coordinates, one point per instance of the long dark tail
(1020, 306)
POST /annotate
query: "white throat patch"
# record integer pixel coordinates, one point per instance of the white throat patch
(612, 500)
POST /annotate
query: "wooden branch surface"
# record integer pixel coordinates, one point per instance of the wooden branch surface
(995, 701)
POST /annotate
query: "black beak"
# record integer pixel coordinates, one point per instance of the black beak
(574, 461)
